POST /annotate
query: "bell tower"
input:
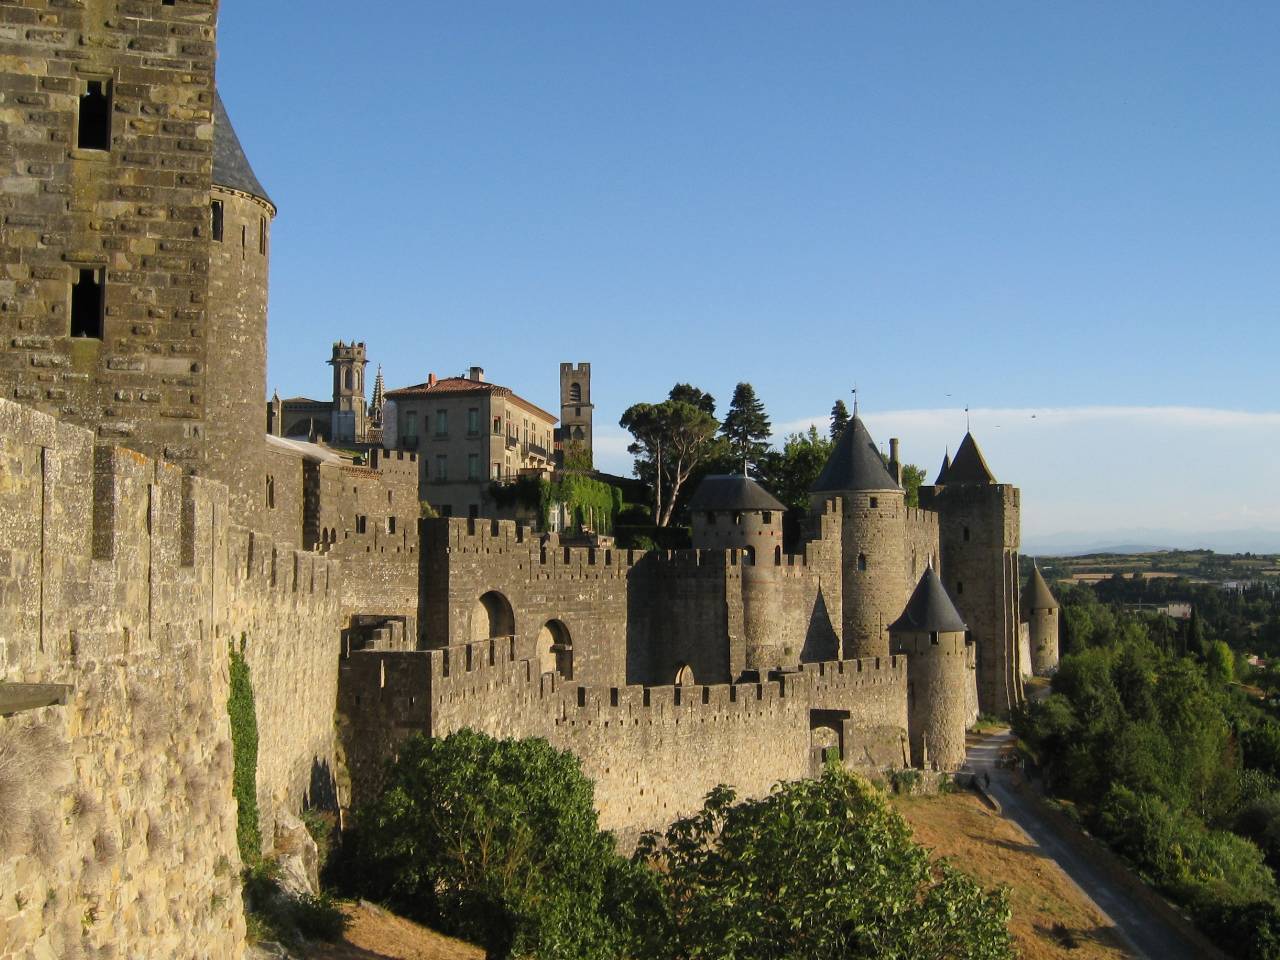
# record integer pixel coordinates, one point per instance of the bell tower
(349, 409)
(574, 433)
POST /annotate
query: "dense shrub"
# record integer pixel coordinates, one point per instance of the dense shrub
(818, 869)
(495, 841)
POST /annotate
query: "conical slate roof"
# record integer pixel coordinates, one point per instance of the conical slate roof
(929, 610)
(231, 167)
(969, 466)
(1036, 595)
(942, 474)
(732, 491)
(854, 464)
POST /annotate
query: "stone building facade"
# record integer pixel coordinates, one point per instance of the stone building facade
(467, 433)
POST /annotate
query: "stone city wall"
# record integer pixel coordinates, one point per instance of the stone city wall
(124, 579)
(653, 752)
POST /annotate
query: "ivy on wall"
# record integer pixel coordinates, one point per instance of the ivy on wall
(244, 751)
(586, 500)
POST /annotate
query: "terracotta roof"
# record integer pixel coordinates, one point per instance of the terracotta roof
(732, 491)
(1036, 594)
(463, 386)
(854, 464)
(231, 167)
(306, 449)
(929, 610)
(969, 466)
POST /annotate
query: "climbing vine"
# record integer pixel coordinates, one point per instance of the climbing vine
(244, 751)
(586, 499)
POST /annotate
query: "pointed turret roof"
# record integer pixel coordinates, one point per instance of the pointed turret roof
(854, 464)
(1036, 595)
(231, 167)
(969, 466)
(942, 474)
(929, 610)
(732, 491)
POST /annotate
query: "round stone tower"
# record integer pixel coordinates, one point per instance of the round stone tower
(733, 512)
(236, 382)
(873, 539)
(1040, 612)
(941, 683)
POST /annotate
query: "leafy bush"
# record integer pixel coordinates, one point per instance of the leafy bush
(818, 869)
(494, 841)
(271, 914)
(244, 745)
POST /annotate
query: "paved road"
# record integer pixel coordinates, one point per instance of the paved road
(1145, 934)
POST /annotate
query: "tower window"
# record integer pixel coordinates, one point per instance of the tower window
(767, 517)
(933, 637)
(874, 503)
(575, 393)
(218, 220)
(94, 132)
(86, 304)
(959, 587)
(966, 534)
(862, 562)
(271, 493)
(262, 236)
(244, 237)
(711, 518)
(362, 523)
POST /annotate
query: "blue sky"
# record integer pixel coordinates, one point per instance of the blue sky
(1004, 205)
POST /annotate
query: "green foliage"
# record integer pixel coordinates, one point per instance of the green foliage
(494, 841)
(426, 510)
(670, 440)
(818, 869)
(1220, 662)
(912, 478)
(790, 472)
(746, 428)
(273, 915)
(839, 420)
(244, 747)
(321, 826)
(589, 502)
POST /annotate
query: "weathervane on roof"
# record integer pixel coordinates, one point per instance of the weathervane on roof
(855, 399)
(966, 419)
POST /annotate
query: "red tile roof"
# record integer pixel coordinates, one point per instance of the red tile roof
(465, 385)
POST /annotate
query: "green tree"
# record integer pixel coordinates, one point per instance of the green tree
(790, 472)
(839, 420)
(912, 478)
(1220, 662)
(670, 440)
(818, 869)
(688, 393)
(492, 840)
(746, 428)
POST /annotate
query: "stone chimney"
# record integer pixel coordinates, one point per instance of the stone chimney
(895, 464)
(476, 374)
(431, 379)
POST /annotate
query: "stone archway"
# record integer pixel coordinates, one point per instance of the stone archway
(555, 649)
(492, 616)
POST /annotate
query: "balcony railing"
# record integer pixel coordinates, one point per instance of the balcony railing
(538, 451)
(513, 442)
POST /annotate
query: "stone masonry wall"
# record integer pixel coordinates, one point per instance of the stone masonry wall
(653, 752)
(123, 578)
(136, 214)
(237, 353)
(119, 821)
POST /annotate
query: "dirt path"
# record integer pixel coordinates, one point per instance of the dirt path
(375, 934)
(1146, 935)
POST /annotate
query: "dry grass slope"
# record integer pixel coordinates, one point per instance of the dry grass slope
(1052, 920)
(375, 934)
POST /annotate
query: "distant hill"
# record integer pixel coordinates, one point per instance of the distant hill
(1151, 541)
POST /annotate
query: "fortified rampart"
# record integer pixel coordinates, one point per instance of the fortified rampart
(653, 752)
(124, 579)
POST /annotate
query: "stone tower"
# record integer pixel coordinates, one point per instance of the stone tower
(575, 410)
(240, 231)
(108, 126)
(349, 410)
(1040, 613)
(979, 522)
(939, 674)
(733, 512)
(873, 537)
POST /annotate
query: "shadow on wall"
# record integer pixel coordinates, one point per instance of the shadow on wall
(322, 794)
(821, 643)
